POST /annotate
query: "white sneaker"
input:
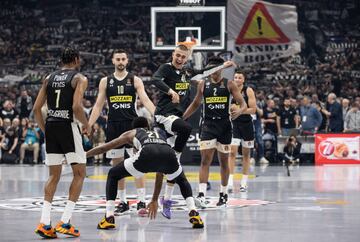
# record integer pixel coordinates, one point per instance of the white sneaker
(252, 161)
(264, 161)
(200, 202)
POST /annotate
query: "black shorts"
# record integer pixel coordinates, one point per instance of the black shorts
(116, 128)
(154, 158)
(244, 133)
(63, 141)
(220, 130)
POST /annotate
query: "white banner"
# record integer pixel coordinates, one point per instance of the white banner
(261, 31)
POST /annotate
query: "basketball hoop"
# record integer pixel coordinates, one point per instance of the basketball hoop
(189, 43)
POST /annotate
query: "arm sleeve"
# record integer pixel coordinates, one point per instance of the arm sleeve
(158, 79)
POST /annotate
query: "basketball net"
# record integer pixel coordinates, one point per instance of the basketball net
(189, 43)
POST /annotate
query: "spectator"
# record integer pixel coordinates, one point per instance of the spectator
(287, 120)
(6, 123)
(310, 117)
(31, 142)
(269, 118)
(24, 104)
(8, 145)
(292, 150)
(345, 107)
(323, 126)
(87, 107)
(23, 127)
(98, 138)
(335, 114)
(352, 119)
(8, 110)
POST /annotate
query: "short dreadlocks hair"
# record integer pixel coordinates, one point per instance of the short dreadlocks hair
(69, 55)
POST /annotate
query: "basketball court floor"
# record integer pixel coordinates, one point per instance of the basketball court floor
(312, 204)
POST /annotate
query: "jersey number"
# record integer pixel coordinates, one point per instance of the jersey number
(120, 89)
(215, 90)
(153, 135)
(58, 92)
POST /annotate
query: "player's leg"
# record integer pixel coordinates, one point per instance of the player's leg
(207, 153)
(186, 192)
(76, 157)
(223, 157)
(232, 165)
(115, 174)
(247, 143)
(44, 228)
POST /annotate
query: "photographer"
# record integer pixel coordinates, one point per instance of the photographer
(31, 135)
(292, 150)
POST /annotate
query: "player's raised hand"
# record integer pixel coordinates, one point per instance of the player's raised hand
(229, 63)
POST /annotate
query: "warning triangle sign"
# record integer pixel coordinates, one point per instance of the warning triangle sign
(260, 28)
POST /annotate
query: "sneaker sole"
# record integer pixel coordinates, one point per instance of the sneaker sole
(163, 214)
(109, 227)
(198, 204)
(41, 234)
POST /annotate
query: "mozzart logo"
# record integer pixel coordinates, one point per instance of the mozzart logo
(97, 204)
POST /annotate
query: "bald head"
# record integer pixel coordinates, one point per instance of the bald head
(331, 98)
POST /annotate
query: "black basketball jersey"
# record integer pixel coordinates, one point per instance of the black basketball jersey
(216, 101)
(177, 80)
(144, 137)
(121, 97)
(243, 117)
(60, 95)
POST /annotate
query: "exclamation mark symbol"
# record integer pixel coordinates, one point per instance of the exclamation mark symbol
(259, 20)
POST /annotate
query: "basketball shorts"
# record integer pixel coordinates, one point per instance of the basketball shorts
(63, 141)
(243, 132)
(216, 134)
(154, 158)
(113, 130)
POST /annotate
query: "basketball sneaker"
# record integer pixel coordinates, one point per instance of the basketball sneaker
(222, 200)
(122, 208)
(200, 201)
(196, 220)
(67, 228)
(243, 188)
(46, 231)
(166, 210)
(107, 223)
(141, 209)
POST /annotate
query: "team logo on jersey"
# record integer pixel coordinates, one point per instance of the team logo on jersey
(181, 86)
(177, 72)
(222, 85)
(111, 82)
(128, 83)
(97, 203)
(207, 84)
(122, 99)
(216, 100)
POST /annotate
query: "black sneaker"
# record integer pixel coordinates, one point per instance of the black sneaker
(222, 200)
(122, 208)
(141, 209)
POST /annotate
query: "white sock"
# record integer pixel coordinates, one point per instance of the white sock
(141, 194)
(110, 208)
(202, 188)
(169, 190)
(231, 180)
(190, 203)
(244, 180)
(223, 189)
(122, 195)
(70, 205)
(45, 213)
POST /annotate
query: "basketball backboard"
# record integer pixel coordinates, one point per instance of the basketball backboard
(170, 25)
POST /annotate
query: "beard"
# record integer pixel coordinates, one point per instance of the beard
(120, 67)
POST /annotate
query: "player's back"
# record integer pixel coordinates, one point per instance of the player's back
(60, 95)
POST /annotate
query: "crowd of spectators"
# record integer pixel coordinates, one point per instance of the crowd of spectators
(314, 91)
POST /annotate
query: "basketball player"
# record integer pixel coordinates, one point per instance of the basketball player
(174, 83)
(243, 131)
(216, 131)
(63, 92)
(154, 154)
(121, 90)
